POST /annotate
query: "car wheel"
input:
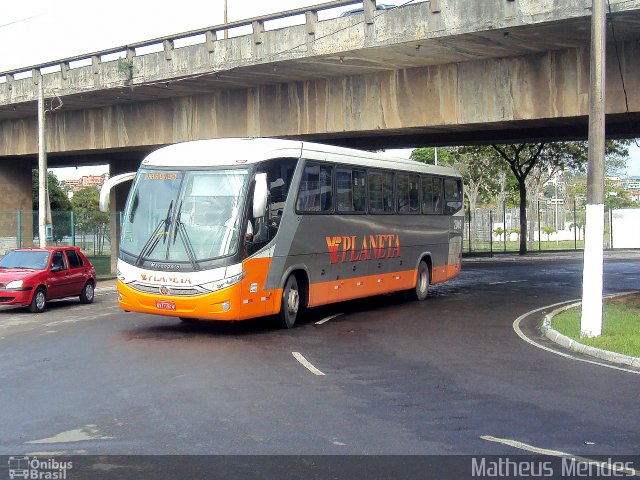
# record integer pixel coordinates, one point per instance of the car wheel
(291, 304)
(39, 301)
(87, 294)
(421, 290)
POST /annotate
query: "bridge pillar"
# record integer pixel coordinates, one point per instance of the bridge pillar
(16, 204)
(116, 203)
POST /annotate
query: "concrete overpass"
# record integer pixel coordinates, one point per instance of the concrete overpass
(437, 72)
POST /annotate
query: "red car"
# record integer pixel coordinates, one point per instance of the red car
(31, 276)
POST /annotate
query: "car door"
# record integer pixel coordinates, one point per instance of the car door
(77, 272)
(58, 282)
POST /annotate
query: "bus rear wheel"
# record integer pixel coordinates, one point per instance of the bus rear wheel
(421, 290)
(291, 304)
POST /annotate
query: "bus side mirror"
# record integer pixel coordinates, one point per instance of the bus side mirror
(260, 194)
(103, 203)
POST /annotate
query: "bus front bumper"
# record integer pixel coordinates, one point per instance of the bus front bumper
(223, 304)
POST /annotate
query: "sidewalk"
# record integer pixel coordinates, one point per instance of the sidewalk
(546, 256)
(107, 285)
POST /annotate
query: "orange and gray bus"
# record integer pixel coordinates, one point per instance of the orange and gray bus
(232, 229)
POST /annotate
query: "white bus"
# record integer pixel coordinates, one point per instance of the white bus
(233, 229)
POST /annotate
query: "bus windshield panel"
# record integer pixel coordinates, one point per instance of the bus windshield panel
(184, 216)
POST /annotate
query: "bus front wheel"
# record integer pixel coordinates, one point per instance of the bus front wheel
(291, 304)
(421, 290)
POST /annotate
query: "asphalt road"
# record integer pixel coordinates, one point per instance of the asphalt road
(444, 376)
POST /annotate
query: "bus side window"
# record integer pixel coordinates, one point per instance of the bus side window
(408, 194)
(351, 190)
(437, 195)
(381, 192)
(315, 195)
(453, 195)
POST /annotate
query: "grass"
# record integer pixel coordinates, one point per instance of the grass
(498, 246)
(620, 329)
(102, 264)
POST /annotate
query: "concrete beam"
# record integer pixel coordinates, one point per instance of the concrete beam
(538, 87)
(447, 32)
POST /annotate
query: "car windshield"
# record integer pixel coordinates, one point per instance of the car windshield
(31, 259)
(184, 216)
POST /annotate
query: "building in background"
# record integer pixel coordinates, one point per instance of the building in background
(85, 181)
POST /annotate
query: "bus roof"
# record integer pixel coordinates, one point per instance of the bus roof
(242, 151)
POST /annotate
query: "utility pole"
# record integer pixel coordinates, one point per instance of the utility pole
(226, 20)
(43, 197)
(591, 320)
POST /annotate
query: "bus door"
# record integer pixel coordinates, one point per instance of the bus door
(260, 235)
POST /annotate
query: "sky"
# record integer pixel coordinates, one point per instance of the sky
(39, 31)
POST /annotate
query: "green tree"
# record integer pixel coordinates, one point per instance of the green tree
(618, 197)
(89, 219)
(428, 155)
(548, 230)
(545, 157)
(476, 164)
(59, 204)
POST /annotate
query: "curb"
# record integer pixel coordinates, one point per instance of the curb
(578, 347)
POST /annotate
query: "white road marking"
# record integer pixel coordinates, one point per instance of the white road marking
(325, 320)
(516, 328)
(298, 356)
(507, 281)
(89, 432)
(557, 453)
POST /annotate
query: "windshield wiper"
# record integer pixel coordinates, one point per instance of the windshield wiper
(154, 238)
(184, 236)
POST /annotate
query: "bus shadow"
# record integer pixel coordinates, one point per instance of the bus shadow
(174, 329)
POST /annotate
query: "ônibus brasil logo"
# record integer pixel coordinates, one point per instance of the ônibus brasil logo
(34, 468)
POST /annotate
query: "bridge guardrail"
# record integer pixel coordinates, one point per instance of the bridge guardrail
(256, 22)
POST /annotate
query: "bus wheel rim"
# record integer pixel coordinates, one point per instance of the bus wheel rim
(293, 301)
(423, 281)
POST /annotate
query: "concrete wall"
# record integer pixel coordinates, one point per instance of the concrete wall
(16, 188)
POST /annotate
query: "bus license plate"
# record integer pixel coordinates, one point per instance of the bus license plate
(165, 305)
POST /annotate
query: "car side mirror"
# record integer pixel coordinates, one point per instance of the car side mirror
(56, 268)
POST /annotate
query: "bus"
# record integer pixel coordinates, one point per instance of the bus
(233, 229)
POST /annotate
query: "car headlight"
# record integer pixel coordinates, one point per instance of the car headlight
(224, 283)
(14, 284)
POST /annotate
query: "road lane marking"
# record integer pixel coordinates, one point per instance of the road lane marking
(520, 333)
(507, 281)
(298, 356)
(325, 320)
(557, 453)
(89, 432)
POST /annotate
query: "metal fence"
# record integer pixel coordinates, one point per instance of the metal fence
(550, 226)
(89, 230)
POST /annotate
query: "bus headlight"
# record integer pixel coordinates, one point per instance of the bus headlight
(224, 283)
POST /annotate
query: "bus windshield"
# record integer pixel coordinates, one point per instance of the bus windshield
(184, 216)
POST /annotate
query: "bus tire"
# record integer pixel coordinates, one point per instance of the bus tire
(291, 303)
(421, 290)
